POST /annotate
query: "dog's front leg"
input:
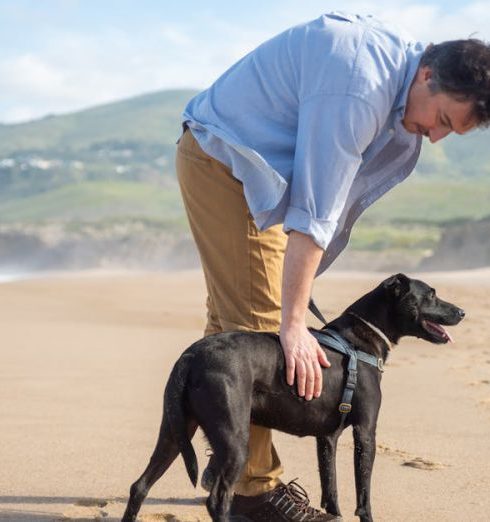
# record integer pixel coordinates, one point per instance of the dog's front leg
(364, 453)
(326, 447)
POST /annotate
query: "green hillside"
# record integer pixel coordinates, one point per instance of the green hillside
(417, 201)
(96, 201)
(116, 162)
(128, 141)
(433, 201)
(150, 124)
(456, 157)
(150, 118)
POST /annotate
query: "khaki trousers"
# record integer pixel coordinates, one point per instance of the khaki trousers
(243, 272)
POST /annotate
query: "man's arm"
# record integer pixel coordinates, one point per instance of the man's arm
(301, 350)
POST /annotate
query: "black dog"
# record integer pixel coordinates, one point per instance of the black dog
(224, 381)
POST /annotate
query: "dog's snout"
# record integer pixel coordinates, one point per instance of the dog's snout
(461, 313)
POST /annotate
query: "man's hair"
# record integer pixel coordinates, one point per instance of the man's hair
(461, 68)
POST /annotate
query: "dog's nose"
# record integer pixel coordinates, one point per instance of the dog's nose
(461, 313)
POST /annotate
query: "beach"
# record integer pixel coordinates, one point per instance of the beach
(84, 361)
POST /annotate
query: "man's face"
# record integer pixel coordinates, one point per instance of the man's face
(435, 115)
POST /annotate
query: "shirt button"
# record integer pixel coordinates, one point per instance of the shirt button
(391, 131)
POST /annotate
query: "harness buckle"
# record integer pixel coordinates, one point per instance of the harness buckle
(345, 407)
(381, 366)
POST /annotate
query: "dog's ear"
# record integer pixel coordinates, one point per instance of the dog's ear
(397, 284)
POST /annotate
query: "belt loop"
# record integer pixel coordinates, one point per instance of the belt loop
(185, 127)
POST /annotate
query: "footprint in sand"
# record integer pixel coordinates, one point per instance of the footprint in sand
(420, 463)
(410, 460)
(485, 402)
(95, 517)
(458, 368)
(393, 452)
(91, 502)
(480, 382)
(86, 510)
(168, 517)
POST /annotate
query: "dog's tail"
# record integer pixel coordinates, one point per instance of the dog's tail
(175, 412)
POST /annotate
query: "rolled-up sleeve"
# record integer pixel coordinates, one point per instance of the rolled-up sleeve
(333, 132)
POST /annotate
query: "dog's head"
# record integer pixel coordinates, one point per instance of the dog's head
(417, 311)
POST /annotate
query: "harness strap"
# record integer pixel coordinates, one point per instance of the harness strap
(313, 308)
(334, 340)
(345, 406)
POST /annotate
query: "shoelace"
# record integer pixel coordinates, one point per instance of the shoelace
(297, 493)
(299, 496)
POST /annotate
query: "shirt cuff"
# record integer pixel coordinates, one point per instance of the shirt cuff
(320, 230)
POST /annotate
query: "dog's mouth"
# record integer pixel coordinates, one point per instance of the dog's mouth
(437, 330)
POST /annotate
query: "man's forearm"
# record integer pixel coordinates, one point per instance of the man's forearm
(302, 353)
(301, 262)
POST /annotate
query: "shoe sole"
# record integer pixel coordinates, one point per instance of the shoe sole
(241, 518)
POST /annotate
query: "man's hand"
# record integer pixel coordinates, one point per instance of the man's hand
(304, 358)
(301, 350)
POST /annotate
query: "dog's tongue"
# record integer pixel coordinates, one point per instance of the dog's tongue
(441, 330)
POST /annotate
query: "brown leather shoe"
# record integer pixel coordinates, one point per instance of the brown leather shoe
(287, 502)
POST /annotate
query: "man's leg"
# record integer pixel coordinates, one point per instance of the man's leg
(243, 272)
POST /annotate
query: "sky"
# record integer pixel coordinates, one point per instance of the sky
(59, 56)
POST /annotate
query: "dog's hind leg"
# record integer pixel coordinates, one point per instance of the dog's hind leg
(230, 454)
(166, 451)
(226, 424)
(326, 447)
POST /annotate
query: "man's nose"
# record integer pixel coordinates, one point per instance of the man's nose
(438, 133)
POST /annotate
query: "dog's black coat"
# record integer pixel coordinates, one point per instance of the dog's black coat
(225, 380)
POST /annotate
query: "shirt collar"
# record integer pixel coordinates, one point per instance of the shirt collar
(414, 54)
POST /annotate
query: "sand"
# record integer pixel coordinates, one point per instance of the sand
(83, 364)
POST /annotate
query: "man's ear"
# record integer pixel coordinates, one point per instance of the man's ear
(424, 74)
(397, 284)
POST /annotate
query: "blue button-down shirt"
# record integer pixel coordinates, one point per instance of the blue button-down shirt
(310, 123)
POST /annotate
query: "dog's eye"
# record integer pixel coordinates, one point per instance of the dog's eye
(429, 296)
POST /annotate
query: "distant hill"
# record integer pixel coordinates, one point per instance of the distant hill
(466, 157)
(132, 141)
(152, 121)
(149, 118)
(116, 161)
(462, 246)
(98, 188)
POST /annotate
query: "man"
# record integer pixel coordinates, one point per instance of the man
(307, 131)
